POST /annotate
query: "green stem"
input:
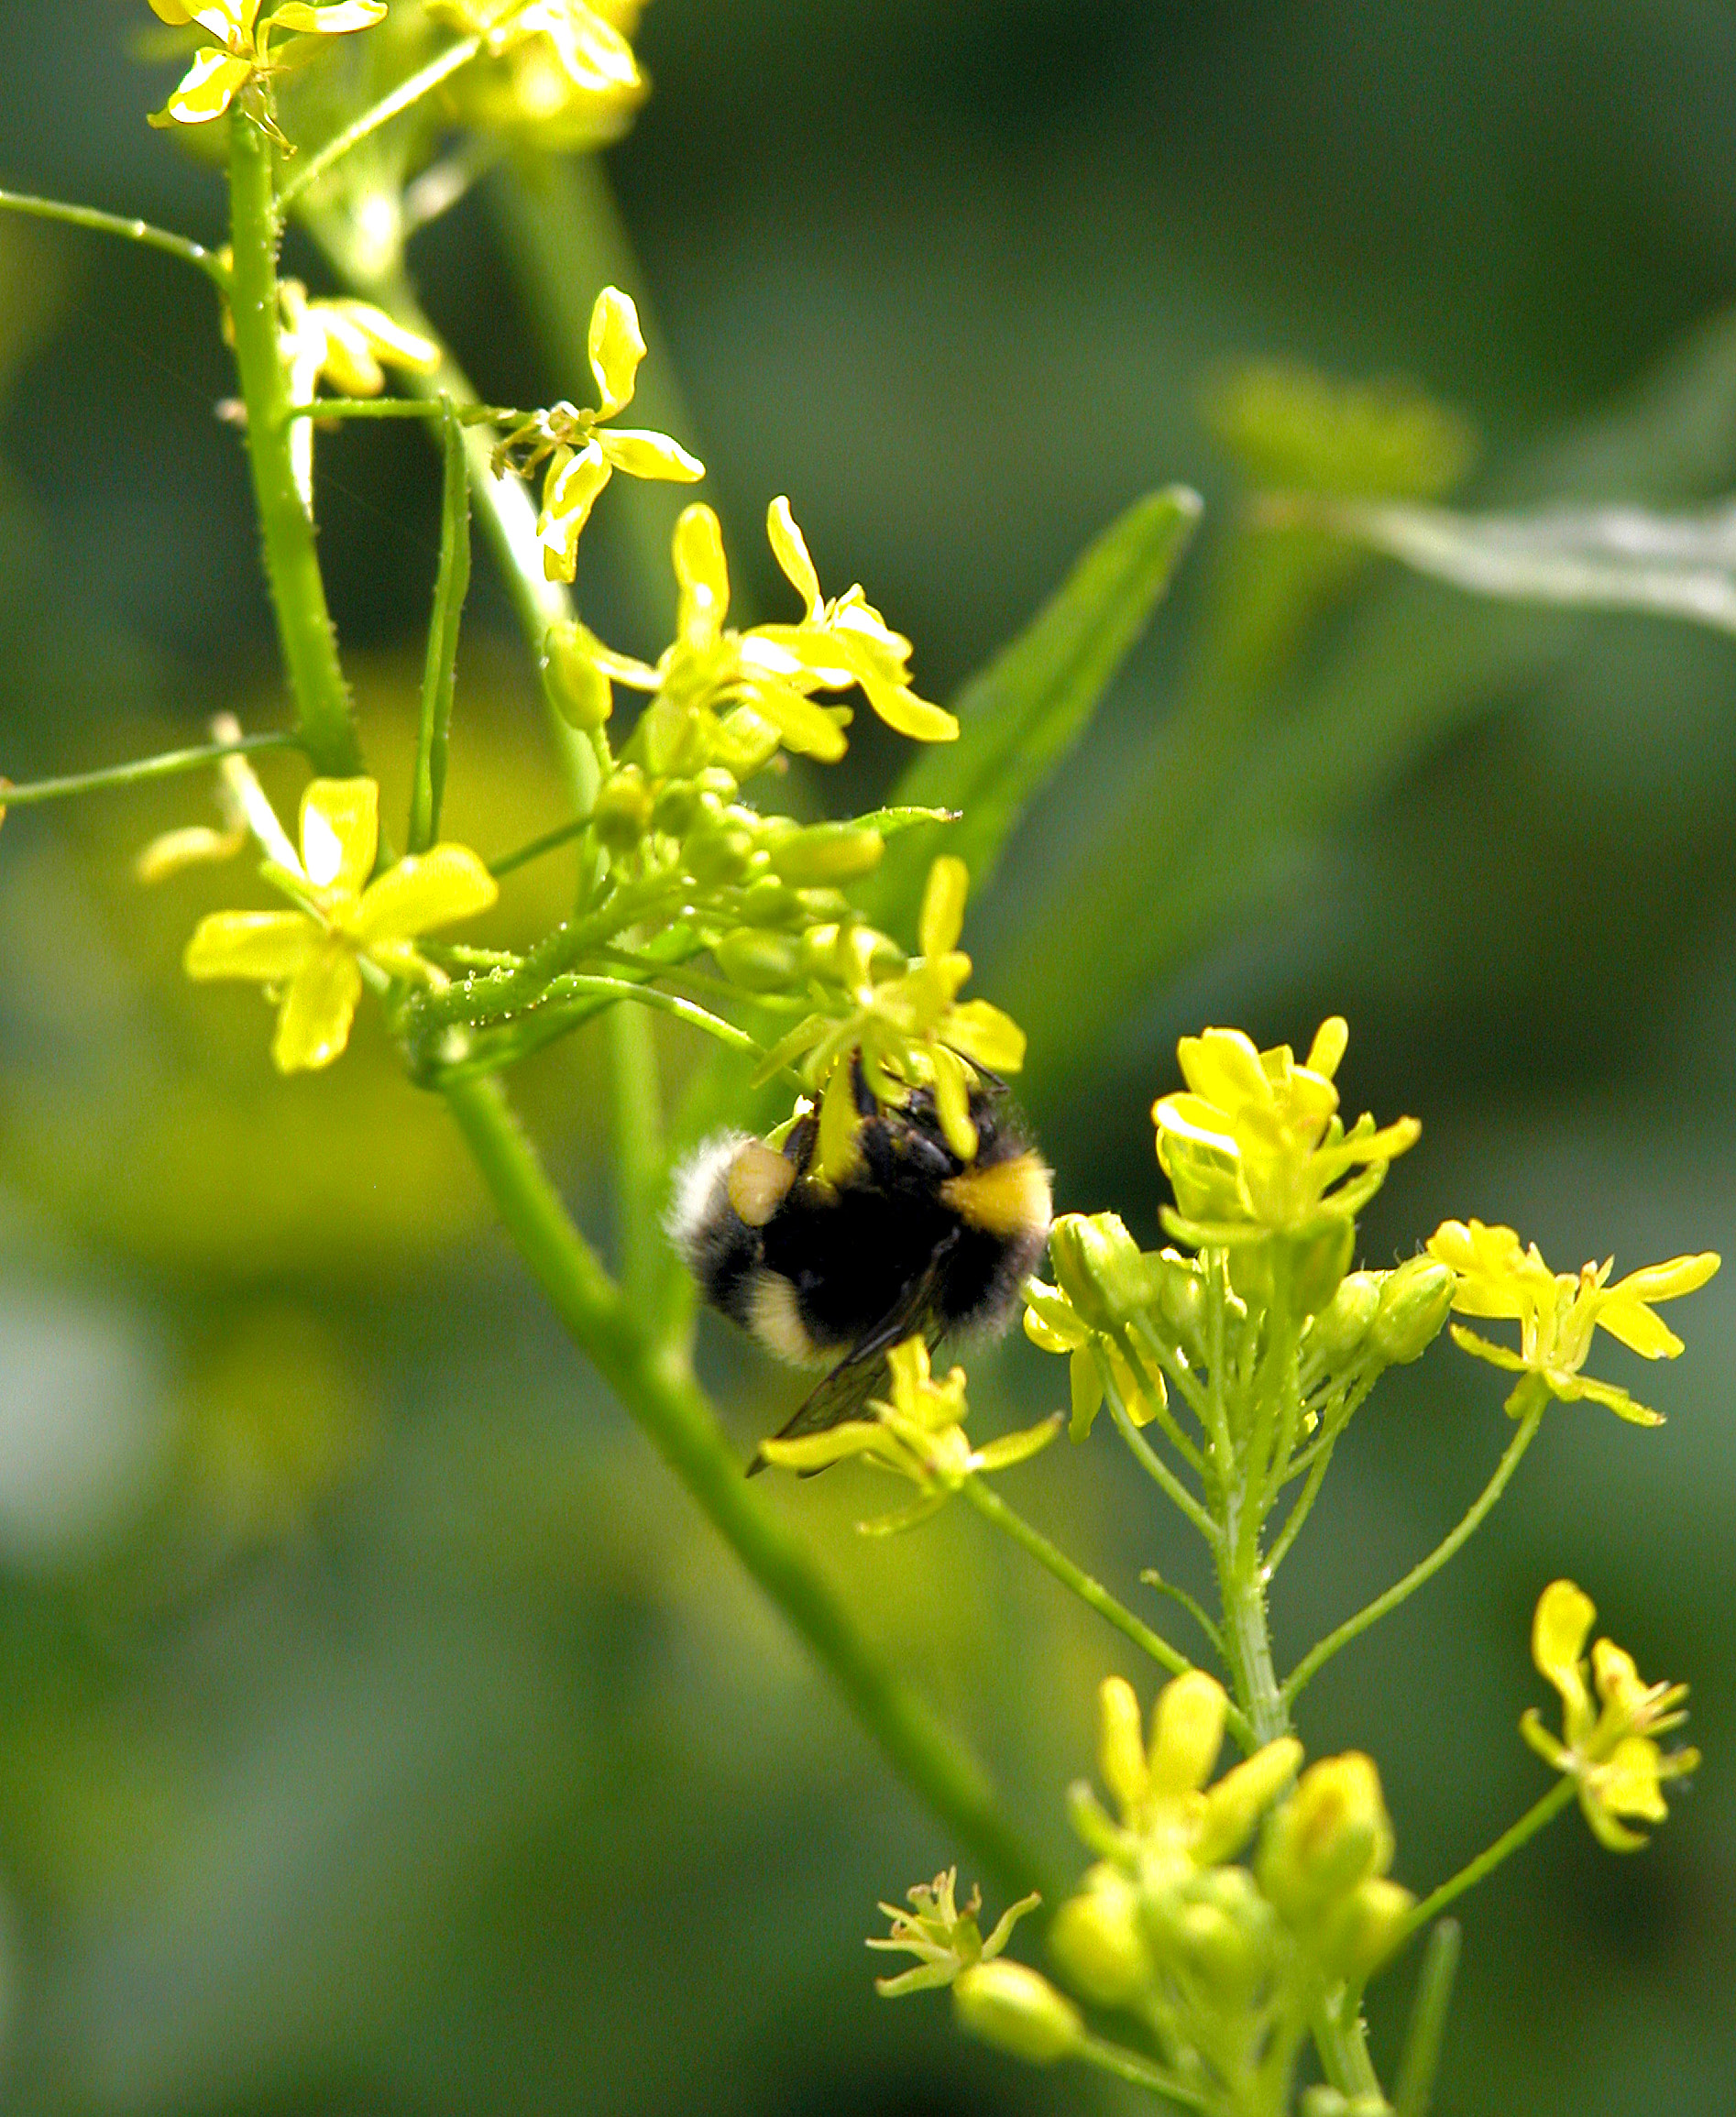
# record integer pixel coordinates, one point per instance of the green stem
(1248, 1640)
(1150, 1460)
(658, 1388)
(636, 1107)
(1125, 2065)
(292, 560)
(989, 1504)
(163, 766)
(1428, 2023)
(1425, 1569)
(550, 841)
(1299, 1513)
(401, 98)
(1510, 1841)
(382, 408)
(128, 229)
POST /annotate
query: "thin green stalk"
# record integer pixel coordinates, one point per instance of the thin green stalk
(1421, 2058)
(1249, 1640)
(1149, 1461)
(1529, 1825)
(1299, 1513)
(440, 669)
(550, 841)
(658, 1390)
(379, 408)
(407, 93)
(1129, 1343)
(1425, 1569)
(1152, 1578)
(163, 766)
(128, 229)
(292, 560)
(1125, 2065)
(989, 1504)
(636, 1109)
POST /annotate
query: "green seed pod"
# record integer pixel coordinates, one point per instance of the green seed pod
(1415, 1301)
(1019, 2012)
(623, 814)
(576, 688)
(1097, 1943)
(1341, 1326)
(757, 961)
(828, 853)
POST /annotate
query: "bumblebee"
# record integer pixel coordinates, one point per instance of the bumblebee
(913, 1239)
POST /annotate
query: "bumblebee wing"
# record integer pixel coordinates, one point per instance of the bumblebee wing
(862, 1370)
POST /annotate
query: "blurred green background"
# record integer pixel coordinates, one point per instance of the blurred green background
(379, 1728)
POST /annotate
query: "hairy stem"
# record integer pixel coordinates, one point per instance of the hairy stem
(658, 1388)
(292, 559)
(1425, 1569)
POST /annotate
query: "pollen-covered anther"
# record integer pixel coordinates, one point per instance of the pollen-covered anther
(759, 1181)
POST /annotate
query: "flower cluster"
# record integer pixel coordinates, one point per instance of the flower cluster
(1105, 1284)
(557, 74)
(1558, 1311)
(313, 959)
(244, 34)
(1610, 1749)
(582, 452)
(919, 1435)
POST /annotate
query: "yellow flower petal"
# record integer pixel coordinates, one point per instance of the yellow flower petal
(789, 548)
(568, 497)
(943, 898)
(1187, 1732)
(981, 1031)
(801, 725)
(340, 833)
(314, 1020)
(193, 847)
(702, 574)
(649, 455)
(595, 57)
(1221, 1067)
(265, 946)
(952, 1103)
(170, 11)
(617, 346)
(447, 881)
(338, 20)
(206, 90)
(1331, 1040)
(1559, 1629)
(907, 714)
(1121, 1749)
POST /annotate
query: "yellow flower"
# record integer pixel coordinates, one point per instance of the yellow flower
(1557, 1313)
(347, 343)
(1170, 1820)
(908, 1028)
(583, 453)
(1054, 1324)
(1255, 1144)
(919, 1435)
(944, 1938)
(1610, 1749)
(557, 73)
(243, 49)
(315, 954)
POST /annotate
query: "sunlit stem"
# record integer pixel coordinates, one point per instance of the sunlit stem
(127, 229)
(550, 841)
(292, 560)
(164, 765)
(402, 98)
(396, 408)
(1425, 1569)
(1509, 1842)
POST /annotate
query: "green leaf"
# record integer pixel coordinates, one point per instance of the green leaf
(440, 670)
(1680, 566)
(1022, 715)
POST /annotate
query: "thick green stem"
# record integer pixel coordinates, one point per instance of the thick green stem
(1425, 1569)
(1529, 1825)
(1248, 1644)
(658, 1388)
(292, 561)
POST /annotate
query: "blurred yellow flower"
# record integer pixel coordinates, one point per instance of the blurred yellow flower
(1611, 1748)
(243, 47)
(556, 72)
(1557, 1313)
(583, 453)
(315, 954)
(1255, 1142)
(347, 343)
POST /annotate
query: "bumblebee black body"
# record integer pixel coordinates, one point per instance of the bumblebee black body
(913, 1240)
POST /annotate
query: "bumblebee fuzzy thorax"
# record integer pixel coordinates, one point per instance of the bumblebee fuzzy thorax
(912, 1240)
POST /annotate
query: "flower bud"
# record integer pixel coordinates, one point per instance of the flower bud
(757, 961)
(675, 736)
(1219, 1932)
(827, 852)
(1097, 1943)
(1341, 1326)
(1181, 1301)
(576, 688)
(1099, 1267)
(720, 852)
(1414, 1303)
(770, 903)
(1019, 2012)
(1242, 1796)
(744, 742)
(1331, 1835)
(623, 814)
(1187, 1732)
(675, 809)
(1362, 1931)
